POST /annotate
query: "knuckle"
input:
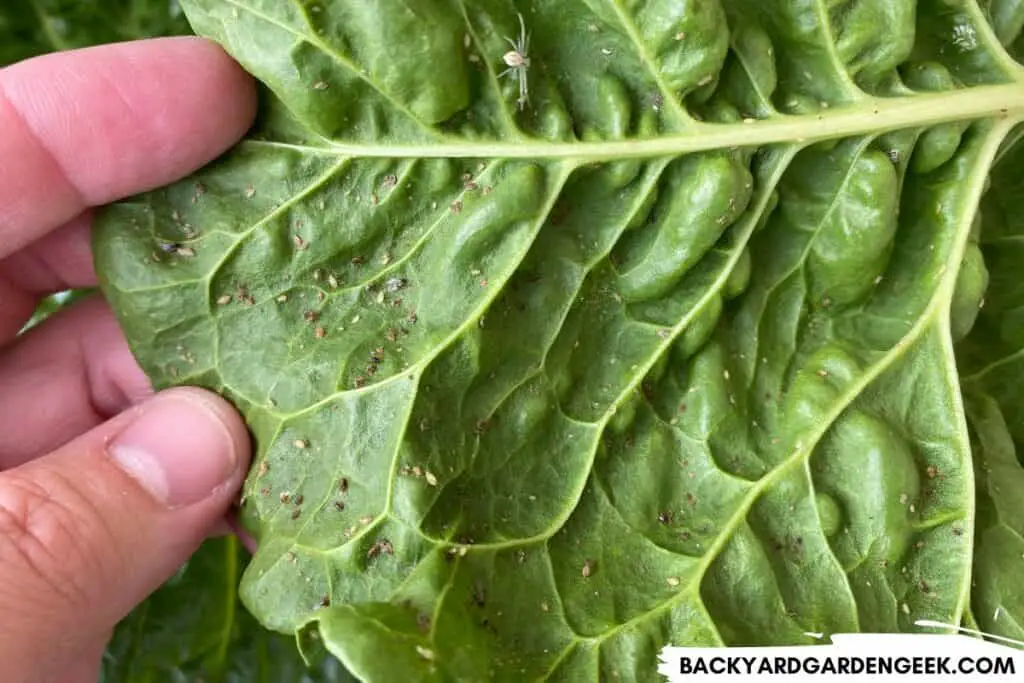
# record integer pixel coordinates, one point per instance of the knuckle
(49, 530)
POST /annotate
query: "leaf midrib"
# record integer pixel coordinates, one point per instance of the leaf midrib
(874, 116)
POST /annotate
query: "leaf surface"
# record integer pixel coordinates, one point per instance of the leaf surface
(666, 356)
(194, 627)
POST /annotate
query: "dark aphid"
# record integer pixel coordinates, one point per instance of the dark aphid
(343, 485)
(296, 512)
(298, 499)
(169, 247)
(339, 506)
(381, 546)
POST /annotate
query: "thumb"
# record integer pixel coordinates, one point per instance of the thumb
(87, 532)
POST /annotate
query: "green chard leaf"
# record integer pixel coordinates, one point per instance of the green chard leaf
(193, 629)
(668, 353)
(33, 27)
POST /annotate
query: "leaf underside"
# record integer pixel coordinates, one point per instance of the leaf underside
(715, 340)
(192, 628)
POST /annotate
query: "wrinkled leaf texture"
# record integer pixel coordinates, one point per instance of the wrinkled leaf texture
(193, 628)
(717, 341)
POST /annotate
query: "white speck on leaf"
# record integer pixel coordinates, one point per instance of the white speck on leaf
(965, 38)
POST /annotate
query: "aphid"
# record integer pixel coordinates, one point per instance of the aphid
(381, 546)
(588, 569)
(518, 62)
(964, 37)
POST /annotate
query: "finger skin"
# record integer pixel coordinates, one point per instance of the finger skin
(87, 127)
(62, 379)
(58, 261)
(81, 543)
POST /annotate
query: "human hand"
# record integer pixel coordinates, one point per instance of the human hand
(105, 489)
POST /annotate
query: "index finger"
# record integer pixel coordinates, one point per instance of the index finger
(87, 127)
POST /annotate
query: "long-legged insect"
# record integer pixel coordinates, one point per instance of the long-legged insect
(518, 62)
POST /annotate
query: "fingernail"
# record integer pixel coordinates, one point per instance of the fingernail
(179, 449)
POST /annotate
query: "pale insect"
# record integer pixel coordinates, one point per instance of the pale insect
(518, 62)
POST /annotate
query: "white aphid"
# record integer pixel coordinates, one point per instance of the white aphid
(964, 37)
(518, 62)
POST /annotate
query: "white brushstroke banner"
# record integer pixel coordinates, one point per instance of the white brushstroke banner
(856, 658)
